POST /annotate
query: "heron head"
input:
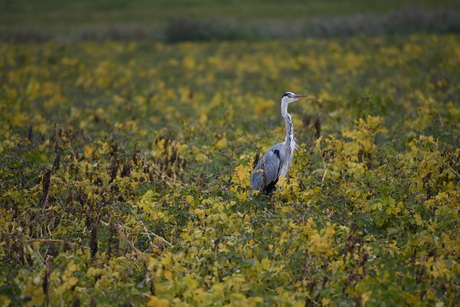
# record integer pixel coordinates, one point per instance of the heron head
(289, 97)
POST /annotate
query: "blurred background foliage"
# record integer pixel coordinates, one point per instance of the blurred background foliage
(179, 20)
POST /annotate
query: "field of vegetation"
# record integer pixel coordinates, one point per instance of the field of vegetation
(124, 173)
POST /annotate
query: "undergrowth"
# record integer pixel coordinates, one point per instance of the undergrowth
(125, 173)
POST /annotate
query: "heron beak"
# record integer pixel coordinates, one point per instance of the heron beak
(300, 96)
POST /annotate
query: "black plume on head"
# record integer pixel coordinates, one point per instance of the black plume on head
(288, 94)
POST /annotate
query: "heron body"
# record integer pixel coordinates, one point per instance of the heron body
(278, 159)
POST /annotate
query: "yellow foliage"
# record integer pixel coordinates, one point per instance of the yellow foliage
(157, 302)
(222, 143)
(321, 242)
(5, 301)
(189, 199)
(126, 173)
(262, 105)
(168, 275)
(89, 151)
(240, 174)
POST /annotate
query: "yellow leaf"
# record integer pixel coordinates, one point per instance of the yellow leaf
(6, 301)
(222, 143)
(19, 119)
(168, 275)
(72, 281)
(365, 297)
(94, 272)
(262, 105)
(190, 282)
(285, 209)
(156, 302)
(265, 264)
(72, 267)
(218, 287)
(241, 174)
(88, 151)
(189, 199)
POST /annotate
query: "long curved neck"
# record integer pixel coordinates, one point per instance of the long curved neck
(288, 122)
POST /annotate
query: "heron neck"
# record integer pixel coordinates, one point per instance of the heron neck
(288, 123)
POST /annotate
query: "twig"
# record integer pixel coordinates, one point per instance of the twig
(163, 175)
(155, 235)
(135, 249)
(324, 175)
(325, 169)
(455, 172)
(146, 231)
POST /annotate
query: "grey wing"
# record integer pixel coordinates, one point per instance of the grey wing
(268, 169)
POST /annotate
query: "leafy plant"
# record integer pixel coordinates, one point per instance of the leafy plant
(125, 173)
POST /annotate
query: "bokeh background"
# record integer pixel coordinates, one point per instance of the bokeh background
(176, 20)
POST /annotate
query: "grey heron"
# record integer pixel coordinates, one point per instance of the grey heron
(277, 160)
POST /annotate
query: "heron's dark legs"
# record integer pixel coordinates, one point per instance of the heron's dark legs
(269, 193)
(272, 203)
(270, 188)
